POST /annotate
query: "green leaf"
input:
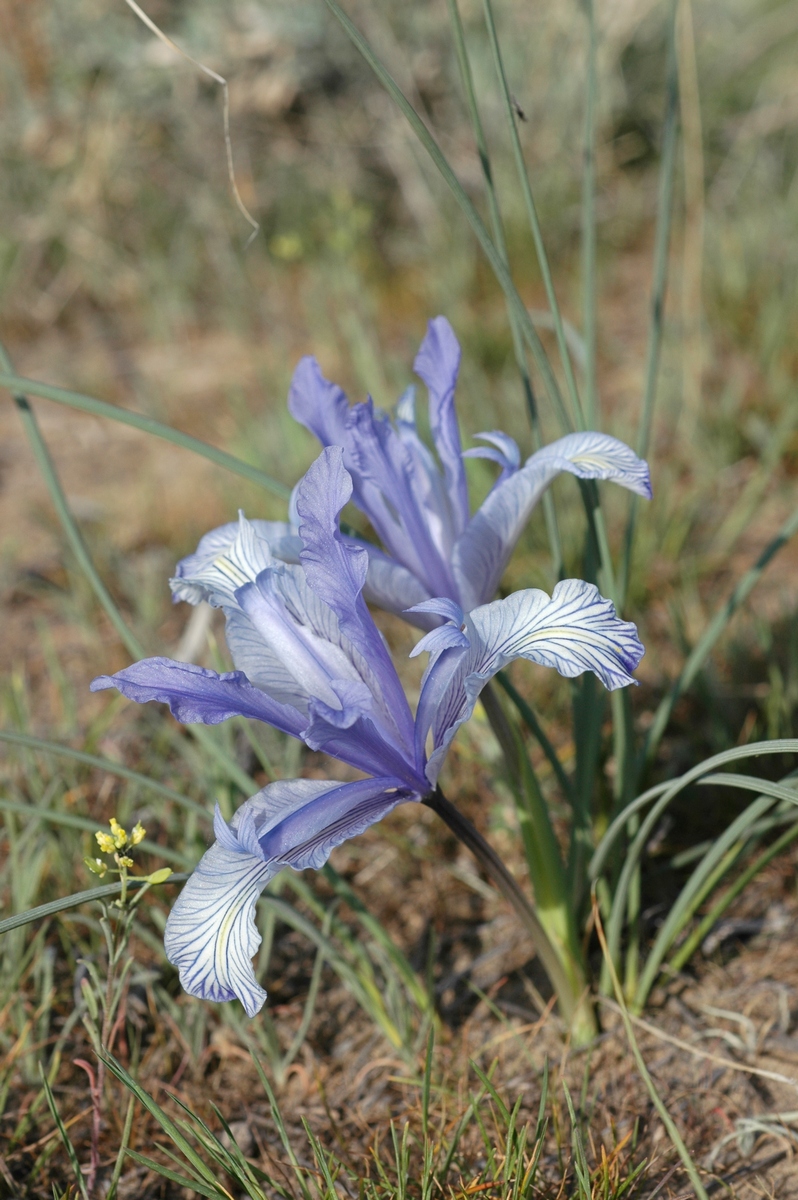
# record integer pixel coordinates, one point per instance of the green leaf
(102, 764)
(99, 408)
(56, 906)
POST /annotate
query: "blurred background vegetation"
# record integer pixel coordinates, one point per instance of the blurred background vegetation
(126, 273)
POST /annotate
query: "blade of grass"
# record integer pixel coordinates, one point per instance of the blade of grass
(688, 949)
(589, 223)
(62, 1133)
(710, 636)
(71, 821)
(532, 215)
(432, 148)
(19, 385)
(56, 906)
(529, 718)
(192, 1185)
(102, 764)
(662, 236)
(667, 1120)
(694, 892)
(665, 793)
(497, 227)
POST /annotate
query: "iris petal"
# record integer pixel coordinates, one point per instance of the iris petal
(574, 630)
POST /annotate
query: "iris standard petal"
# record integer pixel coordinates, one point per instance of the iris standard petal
(481, 554)
(574, 630)
(195, 694)
(317, 404)
(391, 586)
(336, 571)
(438, 364)
(211, 934)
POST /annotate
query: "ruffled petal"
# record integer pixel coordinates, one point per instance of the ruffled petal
(211, 934)
(481, 554)
(391, 586)
(230, 556)
(195, 694)
(438, 364)
(574, 630)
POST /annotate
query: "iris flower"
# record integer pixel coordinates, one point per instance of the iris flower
(432, 545)
(311, 662)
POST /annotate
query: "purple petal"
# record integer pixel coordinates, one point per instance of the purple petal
(389, 585)
(438, 364)
(574, 630)
(481, 554)
(211, 934)
(317, 404)
(195, 694)
(443, 638)
(336, 571)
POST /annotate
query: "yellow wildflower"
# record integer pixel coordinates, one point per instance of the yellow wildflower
(119, 834)
(138, 833)
(105, 842)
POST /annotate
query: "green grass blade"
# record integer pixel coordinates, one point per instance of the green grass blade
(666, 795)
(662, 237)
(749, 783)
(62, 1133)
(475, 221)
(532, 215)
(529, 718)
(193, 1185)
(694, 892)
(71, 821)
(667, 1120)
(65, 902)
(686, 951)
(99, 408)
(70, 527)
(164, 1120)
(102, 764)
(589, 223)
(706, 642)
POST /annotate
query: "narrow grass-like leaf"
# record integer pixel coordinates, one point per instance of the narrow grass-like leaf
(65, 902)
(62, 1133)
(193, 1185)
(686, 951)
(71, 821)
(713, 631)
(99, 408)
(667, 1120)
(666, 795)
(662, 236)
(589, 222)
(169, 1127)
(532, 215)
(483, 237)
(692, 894)
(103, 764)
(527, 714)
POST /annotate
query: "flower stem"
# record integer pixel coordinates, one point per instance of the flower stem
(575, 1011)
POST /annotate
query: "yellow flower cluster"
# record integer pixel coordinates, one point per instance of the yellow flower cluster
(118, 838)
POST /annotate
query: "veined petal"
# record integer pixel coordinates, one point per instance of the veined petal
(391, 586)
(336, 571)
(481, 554)
(502, 449)
(317, 404)
(351, 732)
(211, 934)
(195, 694)
(438, 364)
(574, 630)
(231, 556)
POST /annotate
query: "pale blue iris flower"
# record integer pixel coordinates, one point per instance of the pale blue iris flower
(311, 662)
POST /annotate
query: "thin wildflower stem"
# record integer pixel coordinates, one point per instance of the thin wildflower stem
(504, 882)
